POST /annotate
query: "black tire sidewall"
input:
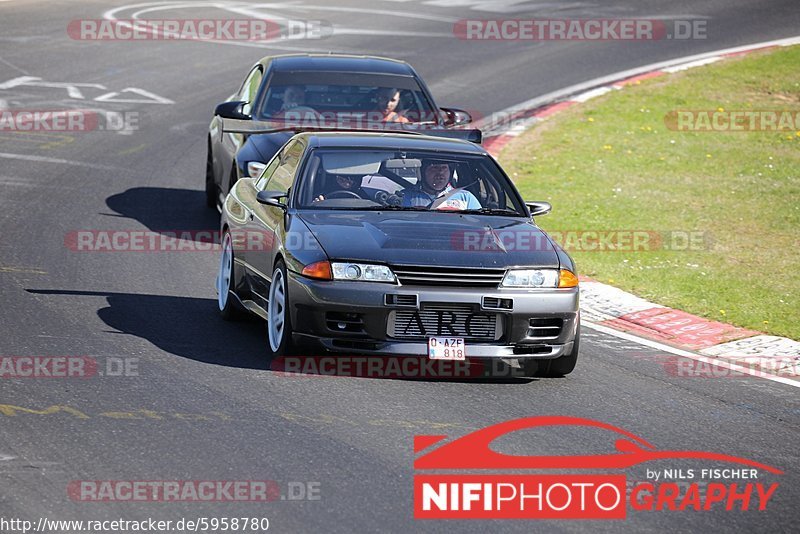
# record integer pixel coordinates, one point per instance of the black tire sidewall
(211, 187)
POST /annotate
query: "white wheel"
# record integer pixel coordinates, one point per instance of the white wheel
(279, 329)
(227, 308)
(277, 311)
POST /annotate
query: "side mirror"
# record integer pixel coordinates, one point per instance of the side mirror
(539, 208)
(231, 110)
(456, 117)
(270, 198)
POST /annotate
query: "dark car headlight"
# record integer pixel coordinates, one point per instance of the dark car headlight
(255, 168)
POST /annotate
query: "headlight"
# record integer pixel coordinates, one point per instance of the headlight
(364, 272)
(545, 278)
(254, 169)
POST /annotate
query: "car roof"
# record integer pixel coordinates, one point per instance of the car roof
(391, 141)
(338, 63)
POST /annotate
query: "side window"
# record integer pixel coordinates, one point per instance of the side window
(250, 88)
(265, 176)
(281, 179)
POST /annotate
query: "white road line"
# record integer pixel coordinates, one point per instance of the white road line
(692, 64)
(588, 95)
(691, 355)
(8, 63)
(252, 10)
(59, 161)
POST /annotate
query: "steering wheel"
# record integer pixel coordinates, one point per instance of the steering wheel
(343, 193)
(298, 113)
(393, 200)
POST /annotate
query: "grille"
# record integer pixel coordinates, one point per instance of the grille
(444, 320)
(545, 328)
(409, 275)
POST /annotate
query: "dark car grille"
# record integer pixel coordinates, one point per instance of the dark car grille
(444, 320)
(409, 275)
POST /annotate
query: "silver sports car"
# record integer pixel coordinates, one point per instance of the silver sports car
(397, 244)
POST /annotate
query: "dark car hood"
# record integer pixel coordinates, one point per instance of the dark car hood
(431, 238)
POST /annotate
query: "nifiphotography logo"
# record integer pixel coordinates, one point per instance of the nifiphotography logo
(493, 494)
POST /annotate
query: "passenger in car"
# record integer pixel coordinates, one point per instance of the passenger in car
(294, 96)
(387, 101)
(345, 184)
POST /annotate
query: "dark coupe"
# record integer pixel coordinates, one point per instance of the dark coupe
(313, 90)
(397, 244)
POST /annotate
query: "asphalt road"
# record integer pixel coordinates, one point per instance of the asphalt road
(200, 403)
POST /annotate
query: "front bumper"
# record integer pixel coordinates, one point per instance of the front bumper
(369, 315)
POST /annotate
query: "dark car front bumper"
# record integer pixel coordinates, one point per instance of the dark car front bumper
(361, 317)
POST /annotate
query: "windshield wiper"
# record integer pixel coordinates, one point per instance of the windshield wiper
(493, 211)
(384, 208)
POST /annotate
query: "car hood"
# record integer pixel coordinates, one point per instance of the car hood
(431, 238)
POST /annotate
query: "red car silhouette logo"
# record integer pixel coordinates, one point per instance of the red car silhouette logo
(473, 450)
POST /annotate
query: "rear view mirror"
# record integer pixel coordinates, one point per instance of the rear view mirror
(456, 117)
(270, 198)
(231, 110)
(539, 207)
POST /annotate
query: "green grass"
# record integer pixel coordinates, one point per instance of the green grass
(612, 164)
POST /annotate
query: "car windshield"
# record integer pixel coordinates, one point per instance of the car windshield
(365, 179)
(332, 97)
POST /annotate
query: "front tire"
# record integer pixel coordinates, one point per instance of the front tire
(226, 303)
(558, 366)
(279, 317)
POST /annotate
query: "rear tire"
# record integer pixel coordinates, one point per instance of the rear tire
(212, 193)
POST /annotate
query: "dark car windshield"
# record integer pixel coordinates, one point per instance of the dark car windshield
(338, 96)
(373, 179)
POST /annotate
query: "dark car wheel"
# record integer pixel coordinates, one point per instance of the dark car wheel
(558, 366)
(211, 185)
(279, 320)
(228, 307)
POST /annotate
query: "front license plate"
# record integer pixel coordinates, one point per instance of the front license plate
(446, 348)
